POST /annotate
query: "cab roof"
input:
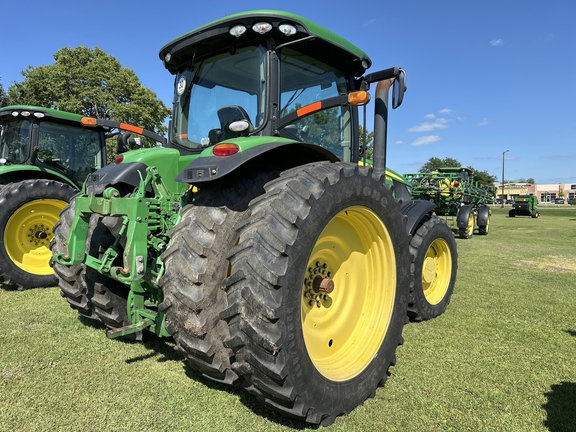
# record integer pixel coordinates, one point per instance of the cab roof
(214, 36)
(48, 112)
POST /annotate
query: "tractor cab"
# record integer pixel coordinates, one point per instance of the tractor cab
(281, 76)
(53, 141)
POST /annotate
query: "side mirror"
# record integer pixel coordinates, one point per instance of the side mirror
(122, 143)
(125, 143)
(398, 89)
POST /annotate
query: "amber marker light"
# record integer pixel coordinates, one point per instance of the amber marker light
(316, 106)
(88, 121)
(225, 149)
(130, 128)
(359, 97)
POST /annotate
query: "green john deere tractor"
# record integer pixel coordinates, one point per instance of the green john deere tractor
(455, 193)
(525, 205)
(45, 156)
(257, 237)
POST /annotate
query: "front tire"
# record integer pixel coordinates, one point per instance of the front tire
(433, 269)
(334, 229)
(28, 212)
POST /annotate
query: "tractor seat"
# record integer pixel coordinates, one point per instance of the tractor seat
(234, 115)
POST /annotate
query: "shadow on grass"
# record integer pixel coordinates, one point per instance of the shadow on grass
(571, 332)
(91, 323)
(163, 348)
(158, 347)
(249, 401)
(561, 407)
(13, 288)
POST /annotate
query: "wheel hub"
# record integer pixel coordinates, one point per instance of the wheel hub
(318, 284)
(39, 235)
(28, 233)
(429, 270)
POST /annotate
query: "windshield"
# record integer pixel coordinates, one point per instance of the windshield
(72, 150)
(223, 97)
(15, 141)
(305, 80)
(76, 151)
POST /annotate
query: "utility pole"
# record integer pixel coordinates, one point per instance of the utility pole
(503, 153)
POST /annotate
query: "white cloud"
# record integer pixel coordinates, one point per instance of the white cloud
(369, 22)
(429, 116)
(484, 122)
(446, 111)
(439, 123)
(425, 140)
(496, 42)
(399, 142)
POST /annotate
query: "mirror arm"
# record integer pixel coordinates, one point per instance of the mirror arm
(393, 72)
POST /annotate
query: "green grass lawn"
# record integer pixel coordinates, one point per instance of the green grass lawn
(502, 357)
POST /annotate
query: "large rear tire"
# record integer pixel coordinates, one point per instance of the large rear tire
(331, 228)
(433, 269)
(195, 265)
(28, 212)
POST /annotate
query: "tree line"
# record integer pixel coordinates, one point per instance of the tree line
(482, 177)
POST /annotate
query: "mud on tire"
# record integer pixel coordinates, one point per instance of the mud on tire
(195, 265)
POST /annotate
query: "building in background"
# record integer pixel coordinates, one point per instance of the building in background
(546, 193)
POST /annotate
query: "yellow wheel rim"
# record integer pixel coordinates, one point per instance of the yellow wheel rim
(436, 271)
(344, 329)
(470, 224)
(28, 233)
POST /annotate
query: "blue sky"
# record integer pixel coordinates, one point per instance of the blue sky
(483, 76)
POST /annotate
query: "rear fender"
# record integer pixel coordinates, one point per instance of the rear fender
(132, 170)
(401, 191)
(483, 215)
(416, 211)
(131, 174)
(208, 168)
